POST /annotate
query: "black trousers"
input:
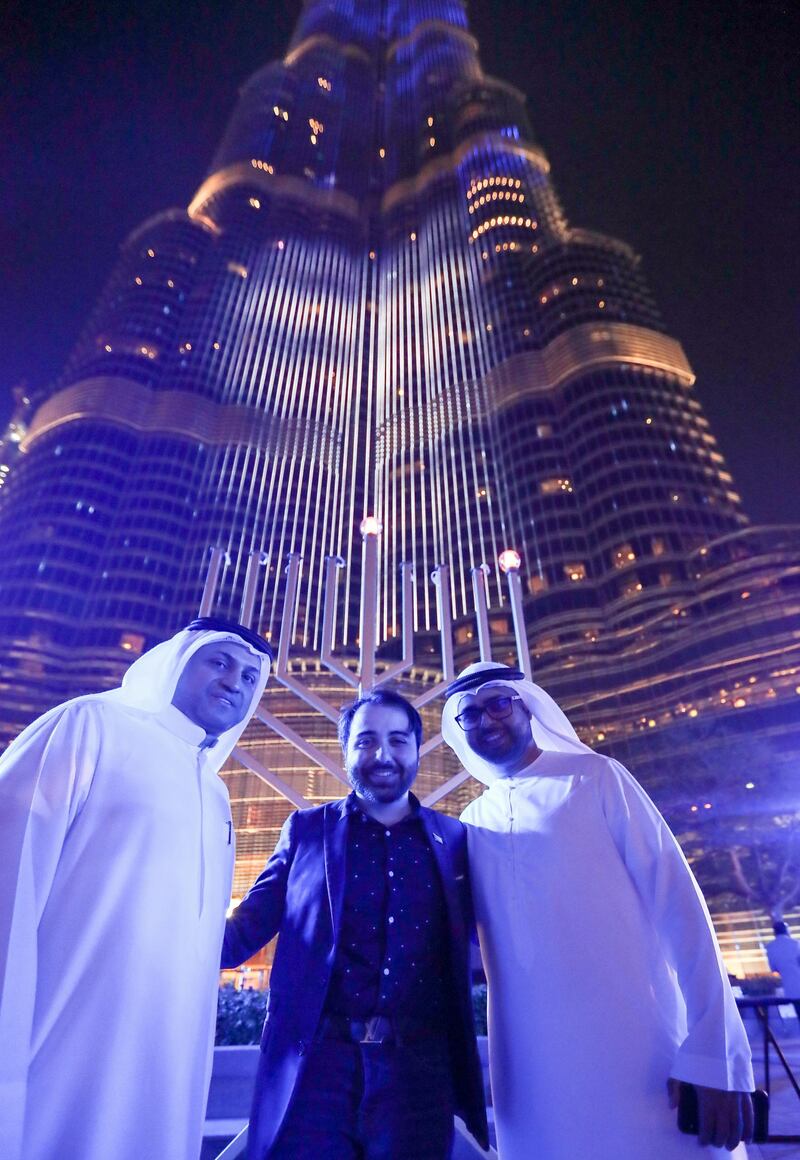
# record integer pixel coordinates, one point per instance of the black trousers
(370, 1101)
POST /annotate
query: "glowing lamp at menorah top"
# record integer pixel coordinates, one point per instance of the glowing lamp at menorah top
(510, 563)
(370, 528)
(509, 560)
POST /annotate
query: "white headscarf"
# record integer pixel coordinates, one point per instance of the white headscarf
(550, 728)
(150, 682)
(149, 686)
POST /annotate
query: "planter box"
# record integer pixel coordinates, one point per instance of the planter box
(232, 1077)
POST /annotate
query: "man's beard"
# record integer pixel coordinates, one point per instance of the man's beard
(506, 748)
(377, 789)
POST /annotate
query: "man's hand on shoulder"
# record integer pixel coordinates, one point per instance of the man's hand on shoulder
(724, 1119)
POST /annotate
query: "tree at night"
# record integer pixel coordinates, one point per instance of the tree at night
(730, 799)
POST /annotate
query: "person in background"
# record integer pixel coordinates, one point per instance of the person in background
(783, 955)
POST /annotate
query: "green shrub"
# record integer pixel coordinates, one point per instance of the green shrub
(240, 1015)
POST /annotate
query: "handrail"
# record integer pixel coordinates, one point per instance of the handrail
(761, 1005)
(236, 1147)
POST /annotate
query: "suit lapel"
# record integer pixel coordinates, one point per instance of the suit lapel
(441, 852)
(335, 841)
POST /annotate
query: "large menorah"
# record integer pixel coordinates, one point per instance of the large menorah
(364, 676)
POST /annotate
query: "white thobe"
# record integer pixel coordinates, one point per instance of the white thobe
(603, 970)
(117, 864)
(783, 955)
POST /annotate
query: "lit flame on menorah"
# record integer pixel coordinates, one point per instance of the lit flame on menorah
(364, 678)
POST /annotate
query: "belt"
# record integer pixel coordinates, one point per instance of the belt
(379, 1029)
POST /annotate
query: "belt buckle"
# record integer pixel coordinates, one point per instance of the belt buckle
(371, 1030)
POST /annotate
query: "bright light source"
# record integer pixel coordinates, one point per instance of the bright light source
(750, 785)
(509, 560)
(370, 526)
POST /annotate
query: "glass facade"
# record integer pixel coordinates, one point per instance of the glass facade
(375, 304)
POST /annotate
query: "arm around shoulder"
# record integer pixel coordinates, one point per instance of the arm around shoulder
(257, 918)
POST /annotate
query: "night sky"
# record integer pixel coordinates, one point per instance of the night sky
(670, 125)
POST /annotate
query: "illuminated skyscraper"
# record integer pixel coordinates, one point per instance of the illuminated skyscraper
(375, 304)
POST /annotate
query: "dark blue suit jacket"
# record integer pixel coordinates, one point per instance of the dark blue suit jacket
(299, 897)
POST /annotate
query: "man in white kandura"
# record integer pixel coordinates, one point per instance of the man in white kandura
(606, 985)
(117, 855)
(783, 956)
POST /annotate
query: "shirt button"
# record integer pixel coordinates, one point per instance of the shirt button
(391, 918)
(388, 833)
(386, 970)
(391, 873)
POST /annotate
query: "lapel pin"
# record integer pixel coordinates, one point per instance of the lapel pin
(438, 838)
